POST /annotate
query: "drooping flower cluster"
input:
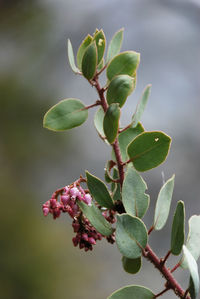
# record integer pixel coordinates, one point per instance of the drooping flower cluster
(65, 200)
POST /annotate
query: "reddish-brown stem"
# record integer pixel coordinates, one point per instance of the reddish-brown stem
(150, 230)
(175, 267)
(124, 129)
(163, 261)
(93, 105)
(171, 281)
(161, 293)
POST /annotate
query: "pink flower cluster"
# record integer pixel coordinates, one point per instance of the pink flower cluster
(67, 203)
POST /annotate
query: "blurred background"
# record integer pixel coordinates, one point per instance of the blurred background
(37, 258)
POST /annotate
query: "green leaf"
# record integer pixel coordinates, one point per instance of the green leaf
(149, 150)
(178, 229)
(65, 115)
(125, 138)
(193, 239)
(100, 40)
(132, 292)
(101, 65)
(98, 121)
(109, 165)
(115, 45)
(71, 57)
(124, 63)
(131, 266)
(89, 61)
(99, 191)
(131, 236)
(93, 214)
(119, 89)
(192, 266)
(85, 43)
(135, 200)
(141, 106)
(111, 122)
(163, 204)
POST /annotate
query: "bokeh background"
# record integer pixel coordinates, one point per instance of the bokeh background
(37, 258)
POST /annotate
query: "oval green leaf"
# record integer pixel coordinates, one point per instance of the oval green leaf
(119, 89)
(99, 191)
(71, 57)
(178, 229)
(115, 45)
(148, 150)
(93, 214)
(65, 115)
(135, 200)
(132, 292)
(193, 268)
(131, 236)
(89, 61)
(85, 43)
(100, 40)
(193, 239)
(141, 106)
(131, 266)
(124, 63)
(111, 122)
(163, 204)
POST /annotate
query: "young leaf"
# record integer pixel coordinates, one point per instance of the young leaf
(124, 63)
(119, 89)
(71, 57)
(131, 236)
(163, 204)
(149, 150)
(100, 40)
(125, 138)
(192, 266)
(178, 229)
(86, 42)
(135, 200)
(193, 239)
(115, 45)
(96, 218)
(141, 106)
(89, 61)
(111, 122)
(65, 115)
(101, 65)
(131, 266)
(99, 191)
(132, 292)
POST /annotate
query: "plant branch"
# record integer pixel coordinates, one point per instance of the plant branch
(161, 293)
(166, 273)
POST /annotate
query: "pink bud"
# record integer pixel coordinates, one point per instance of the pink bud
(87, 199)
(74, 192)
(91, 241)
(66, 189)
(85, 237)
(75, 241)
(76, 227)
(65, 199)
(53, 203)
(56, 213)
(45, 211)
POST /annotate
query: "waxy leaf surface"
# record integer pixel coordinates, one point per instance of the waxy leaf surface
(124, 63)
(71, 57)
(148, 150)
(86, 42)
(131, 236)
(119, 89)
(132, 292)
(141, 106)
(65, 115)
(193, 239)
(131, 266)
(93, 214)
(99, 191)
(111, 122)
(178, 229)
(134, 199)
(163, 204)
(100, 40)
(193, 268)
(89, 61)
(115, 45)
